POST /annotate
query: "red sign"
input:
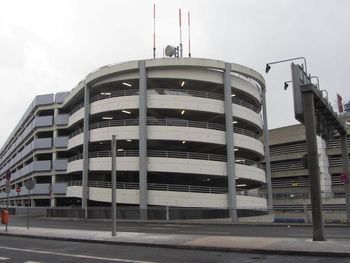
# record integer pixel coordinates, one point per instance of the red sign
(340, 103)
(18, 189)
(343, 178)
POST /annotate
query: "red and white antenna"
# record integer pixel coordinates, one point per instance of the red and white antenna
(154, 30)
(189, 35)
(180, 33)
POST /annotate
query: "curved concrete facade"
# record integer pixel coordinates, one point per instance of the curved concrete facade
(172, 119)
(169, 198)
(189, 134)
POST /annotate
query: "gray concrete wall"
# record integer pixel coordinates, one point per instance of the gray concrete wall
(287, 134)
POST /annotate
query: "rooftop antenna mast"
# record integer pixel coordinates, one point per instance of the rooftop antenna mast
(180, 33)
(154, 30)
(189, 36)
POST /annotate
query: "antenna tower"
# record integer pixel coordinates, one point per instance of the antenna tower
(154, 30)
(180, 33)
(189, 36)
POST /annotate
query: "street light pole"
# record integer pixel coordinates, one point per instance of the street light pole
(28, 209)
(114, 174)
(267, 69)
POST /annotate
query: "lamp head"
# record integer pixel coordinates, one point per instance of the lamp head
(267, 69)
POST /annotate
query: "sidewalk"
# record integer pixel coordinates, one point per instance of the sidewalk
(261, 245)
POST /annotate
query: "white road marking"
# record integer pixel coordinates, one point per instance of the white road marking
(75, 256)
(3, 258)
(175, 225)
(203, 233)
(32, 262)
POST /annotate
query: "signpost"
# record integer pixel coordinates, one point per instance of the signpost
(18, 190)
(50, 190)
(7, 191)
(8, 175)
(29, 184)
(343, 178)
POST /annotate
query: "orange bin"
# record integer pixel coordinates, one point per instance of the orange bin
(4, 217)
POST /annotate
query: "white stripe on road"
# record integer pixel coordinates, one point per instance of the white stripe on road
(75, 256)
(205, 232)
(3, 258)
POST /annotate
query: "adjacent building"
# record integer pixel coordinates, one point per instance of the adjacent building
(290, 178)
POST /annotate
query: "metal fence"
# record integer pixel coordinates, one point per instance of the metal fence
(194, 93)
(168, 154)
(167, 187)
(292, 216)
(249, 216)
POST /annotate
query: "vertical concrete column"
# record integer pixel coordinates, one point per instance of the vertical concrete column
(53, 181)
(345, 156)
(314, 170)
(143, 139)
(231, 176)
(267, 152)
(54, 158)
(86, 135)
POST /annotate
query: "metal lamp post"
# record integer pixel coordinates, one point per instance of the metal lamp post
(114, 179)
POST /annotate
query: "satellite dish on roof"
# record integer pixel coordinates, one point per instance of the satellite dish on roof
(170, 51)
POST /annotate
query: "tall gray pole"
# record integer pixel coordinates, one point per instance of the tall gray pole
(7, 201)
(7, 207)
(86, 135)
(114, 179)
(314, 170)
(28, 209)
(344, 151)
(231, 175)
(267, 153)
(143, 139)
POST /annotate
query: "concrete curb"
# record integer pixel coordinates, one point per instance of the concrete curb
(199, 222)
(191, 247)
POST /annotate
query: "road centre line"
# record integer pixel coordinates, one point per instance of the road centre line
(75, 256)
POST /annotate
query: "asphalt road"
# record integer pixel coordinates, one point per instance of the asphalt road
(28, 250)
(331, 232)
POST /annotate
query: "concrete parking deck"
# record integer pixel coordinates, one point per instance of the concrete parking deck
(290, 246)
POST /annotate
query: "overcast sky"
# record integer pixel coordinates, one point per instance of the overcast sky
(49, 46)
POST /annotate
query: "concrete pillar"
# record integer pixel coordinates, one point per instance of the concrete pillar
(314, 170)
(86, 135)
(267, 152)
(52, 197)
(53, 172)
(231, 176)
(143, 139)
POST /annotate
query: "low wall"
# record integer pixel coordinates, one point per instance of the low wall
(154, 213)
